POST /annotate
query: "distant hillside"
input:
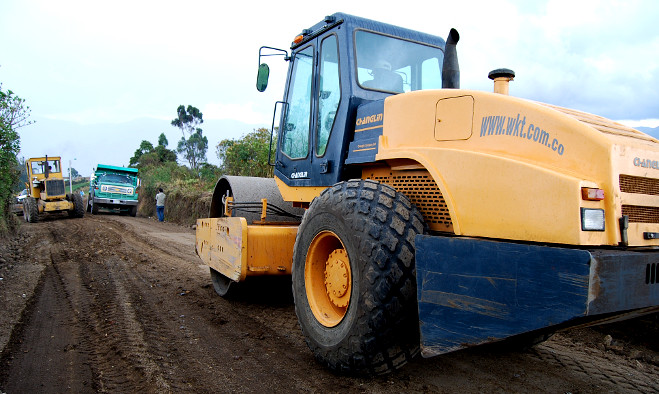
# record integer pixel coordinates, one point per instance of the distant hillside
(648, 130)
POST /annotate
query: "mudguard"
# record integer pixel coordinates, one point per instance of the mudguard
(473, 291)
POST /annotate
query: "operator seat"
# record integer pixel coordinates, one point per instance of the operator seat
(385, 79)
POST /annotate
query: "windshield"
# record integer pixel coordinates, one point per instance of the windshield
(394, 65)
(39, 167)
(115, 178)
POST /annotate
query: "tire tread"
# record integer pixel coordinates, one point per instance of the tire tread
(385, 335)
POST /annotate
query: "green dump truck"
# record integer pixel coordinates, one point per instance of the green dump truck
(113, 188)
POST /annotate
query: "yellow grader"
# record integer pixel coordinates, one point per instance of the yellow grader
(47, 191)
(418, 217)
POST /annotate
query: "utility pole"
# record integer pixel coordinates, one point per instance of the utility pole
(70, 178)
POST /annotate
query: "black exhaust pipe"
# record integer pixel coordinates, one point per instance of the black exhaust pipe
(451, 68)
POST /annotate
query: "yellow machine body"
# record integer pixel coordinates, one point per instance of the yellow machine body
(55, 206)
(38, 172)
(237, 250)
(47, 189)
(507, 168)
(483, 165)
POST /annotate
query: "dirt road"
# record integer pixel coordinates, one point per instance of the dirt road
(131, 309)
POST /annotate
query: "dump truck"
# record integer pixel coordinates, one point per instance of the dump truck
(414, 216)
(113, 188)
(46, 190)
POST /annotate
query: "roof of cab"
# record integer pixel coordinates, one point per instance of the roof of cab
(355, 22)
(106, 167)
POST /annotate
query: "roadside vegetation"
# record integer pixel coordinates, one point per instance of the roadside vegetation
(14, 114)
(189, 186)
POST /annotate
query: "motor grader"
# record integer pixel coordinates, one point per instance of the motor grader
(418, 217)
(47, 192)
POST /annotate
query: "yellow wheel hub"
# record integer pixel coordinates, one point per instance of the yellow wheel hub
(327, 278)
(337, 273)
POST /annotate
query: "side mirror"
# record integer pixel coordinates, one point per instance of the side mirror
(262, 77)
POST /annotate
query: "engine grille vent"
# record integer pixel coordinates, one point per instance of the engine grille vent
(638, 214)
(422, 191)
(639, 185)
(55, 187)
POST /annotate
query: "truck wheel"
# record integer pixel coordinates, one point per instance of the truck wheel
(354, 280)
(78, 206)
(31, 210)
(94, 208)
(25, 210)
(133, 211)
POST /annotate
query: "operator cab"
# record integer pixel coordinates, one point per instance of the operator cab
(336, 67)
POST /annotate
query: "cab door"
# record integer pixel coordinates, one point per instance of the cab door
(311, 102)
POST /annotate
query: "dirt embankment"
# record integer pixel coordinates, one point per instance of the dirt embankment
(111, 303)
(181, 208)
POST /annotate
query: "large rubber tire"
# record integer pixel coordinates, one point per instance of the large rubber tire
(31, 210)
(133, 211)
(78, 206)
(94, 208)
(354, 279)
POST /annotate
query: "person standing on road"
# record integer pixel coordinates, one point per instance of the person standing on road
(160, 205)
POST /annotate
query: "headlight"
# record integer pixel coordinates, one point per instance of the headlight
(592, 219)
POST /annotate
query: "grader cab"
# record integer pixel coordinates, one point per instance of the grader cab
(418, 217)
(47, 190)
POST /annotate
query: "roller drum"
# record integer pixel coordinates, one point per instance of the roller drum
(251, 189)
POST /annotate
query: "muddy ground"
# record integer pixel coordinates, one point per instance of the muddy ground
(110, 303)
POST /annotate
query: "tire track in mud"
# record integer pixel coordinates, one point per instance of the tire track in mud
(125, 333)
(47, 344)
(255, 327)
(609, 374)
(192, 330)
(121, 359)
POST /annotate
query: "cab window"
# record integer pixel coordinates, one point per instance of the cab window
(329, 92)
(395, 65)
(295, 128)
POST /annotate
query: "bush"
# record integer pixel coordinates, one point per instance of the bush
(13, 115)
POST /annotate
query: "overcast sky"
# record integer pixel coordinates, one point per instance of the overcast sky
(90, 64)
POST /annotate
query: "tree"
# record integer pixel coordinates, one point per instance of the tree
(74, 173)
(145, 147)
(164, 155)
(14, 114)
(194, 147)
(162, 140)
(146, 154)
(247, 156)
